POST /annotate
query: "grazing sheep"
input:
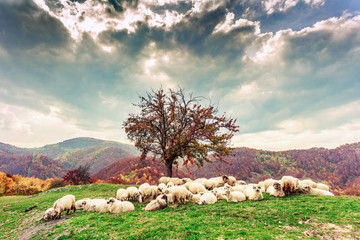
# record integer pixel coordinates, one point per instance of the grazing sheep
(164, 180)
(51, 213)
(122, 194)
(162, 187)
(179, 194)
(133, 194)
(116, 206)
(196, 198)
(253, 193)
(289, 184)
(65, 203)
(170, 198)
(160, 202)
(149, 193)
(207, 198)
(195, 187)
(235, 196)
(307, 189)
(275, 190)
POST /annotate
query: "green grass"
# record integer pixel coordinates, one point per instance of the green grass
(293, 217)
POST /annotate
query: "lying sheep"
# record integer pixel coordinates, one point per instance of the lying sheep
(220, 193)
(267, 183)
(253, 193)
(240, 182)
(207, 198)
(122, 194)
(275, 190)
(289, 184)
(307, 189)
(196, 198)
(179, 194)
(95, 205)
(116, 206)
(65, 203)
(160, 202)
(229, 180)
(79, 203)
(164, 180)
(133, 194)
(308, 182)
(235, 196)
(323, 186)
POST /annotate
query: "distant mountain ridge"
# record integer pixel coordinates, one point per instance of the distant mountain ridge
(70, 154)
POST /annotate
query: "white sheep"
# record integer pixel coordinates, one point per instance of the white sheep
(170, 184)
(177, 181)
(179, 194)
(162, 187)
(289, 184)
(133, 194)
(164, 180)
(207, 198)
(240, 182)
(308, 182)
(160, 202)
(229, 180)
(196, 198)
(122, 194)
(275, 190)
(220, 193)
(65, 203)
(50, 213)
(240, 188)
(96, 205)
(149, 192)
(116, 206)
(195, 187)
(212, 183)
(267, 183)
(307, 189)
(79, 203)
(235, 196)
(253, 193)
(323, 186)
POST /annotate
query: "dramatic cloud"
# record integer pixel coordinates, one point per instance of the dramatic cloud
(287, 70)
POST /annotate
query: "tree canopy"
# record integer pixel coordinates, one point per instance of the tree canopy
(172, 125)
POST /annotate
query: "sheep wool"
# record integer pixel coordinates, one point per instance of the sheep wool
(235, 196)
(134, 194)
(49, 214)
(323, 186)
(307, 189)
(195, 187)
(160, 202)
(116, 206)
(207, 198)
(275, 190)
(122, 194)
(253, 193)
(164, 180)
(179, 194)
(289, 184)
(65, 203)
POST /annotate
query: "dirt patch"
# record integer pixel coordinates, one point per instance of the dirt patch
(329, 231)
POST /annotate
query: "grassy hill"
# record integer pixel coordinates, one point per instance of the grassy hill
(293, 217)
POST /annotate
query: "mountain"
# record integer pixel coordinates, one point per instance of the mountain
(339, 167)
(31, 165)
(70, 154)
(57, 150)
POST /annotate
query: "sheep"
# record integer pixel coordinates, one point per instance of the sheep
(323, 186)
(170, 184)
(170, 198)
(122, 194)
(186, 180)
(235, 196)
(275, 190)
(230, 180)
(196, 198)
(50, 213)
(289, 184)
(79, 203)
(240, 188)
(201, 180)
(96, 205)
(164, 180)
(160, 202)
(116, 206)
(220, 193)
(253, 193)
(179, 194)
(162, 187)
(207, 198)
(220, 181)
(307, 189)
(267, 183)
(195, 187)
(65, 203)
(177, 181)
(211, 184)
(308, 182)
(149, 192)
(133, 194)
(240, 182)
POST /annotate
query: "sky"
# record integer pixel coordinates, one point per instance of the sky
(287, 70)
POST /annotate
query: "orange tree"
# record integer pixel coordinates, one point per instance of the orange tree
(174, 125)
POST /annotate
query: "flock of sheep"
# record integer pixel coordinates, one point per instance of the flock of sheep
(175, 190)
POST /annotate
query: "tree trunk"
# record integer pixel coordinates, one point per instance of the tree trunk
(168, 164)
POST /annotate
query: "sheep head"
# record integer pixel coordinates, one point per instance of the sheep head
(111, 200)
(277, 186)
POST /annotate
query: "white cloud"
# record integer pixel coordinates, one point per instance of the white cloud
(272, 6)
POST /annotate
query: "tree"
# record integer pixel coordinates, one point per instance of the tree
(172, 125)
(78, 176)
